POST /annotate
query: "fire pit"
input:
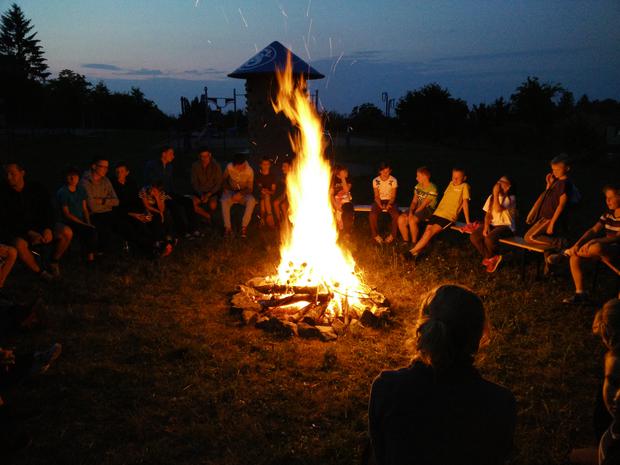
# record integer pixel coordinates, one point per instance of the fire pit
(317, 290)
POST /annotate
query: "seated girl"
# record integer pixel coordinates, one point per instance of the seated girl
(439, 410)
(499, 221)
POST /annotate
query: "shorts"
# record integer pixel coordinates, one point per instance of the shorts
(438, 220)
(424, 214)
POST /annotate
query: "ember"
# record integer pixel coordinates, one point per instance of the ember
(317, 290)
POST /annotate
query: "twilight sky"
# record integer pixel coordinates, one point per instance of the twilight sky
(478, 49)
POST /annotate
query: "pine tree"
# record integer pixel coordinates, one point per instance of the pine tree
(17, 42)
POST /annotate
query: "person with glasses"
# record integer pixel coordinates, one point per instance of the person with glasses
(101, 199)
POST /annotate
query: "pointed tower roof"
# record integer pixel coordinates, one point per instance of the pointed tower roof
(273, 57)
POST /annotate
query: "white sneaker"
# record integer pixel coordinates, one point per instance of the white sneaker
(378, 239)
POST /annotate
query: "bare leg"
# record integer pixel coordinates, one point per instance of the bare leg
(25, 255)
(10, 255)
(576, 272)
(403, 227)
(430, 231)
(414, 227)
(63, 235)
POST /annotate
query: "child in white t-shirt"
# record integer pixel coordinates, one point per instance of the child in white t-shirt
(499, 221)
(384, 187)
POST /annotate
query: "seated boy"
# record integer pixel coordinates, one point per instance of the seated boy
(600, 242)
(265, 189)
(455, 198)
(71, 199)
(384, 187)
(238, 184)
(422, 206)
(547, 216)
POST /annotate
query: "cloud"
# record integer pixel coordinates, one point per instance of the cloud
(202, 72)
(145, 72)
(102, 66)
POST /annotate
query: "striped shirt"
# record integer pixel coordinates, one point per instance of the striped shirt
(611, 223)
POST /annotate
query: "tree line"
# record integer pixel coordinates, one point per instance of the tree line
(28, 98)
(538, 116)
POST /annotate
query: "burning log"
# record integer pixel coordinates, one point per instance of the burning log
(298, 297)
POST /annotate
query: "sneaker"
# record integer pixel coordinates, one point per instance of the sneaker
(228, 233)
(493, 263)
(167, 250)
(54, 269)
(580, 298)
(485, 262)
(43, 360)
(389, 239)
(410, 256)
(244, 232)
(378, 239)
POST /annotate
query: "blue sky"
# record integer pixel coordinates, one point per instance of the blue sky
(479, 50)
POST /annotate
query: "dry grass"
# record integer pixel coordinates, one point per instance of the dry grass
(156, 370)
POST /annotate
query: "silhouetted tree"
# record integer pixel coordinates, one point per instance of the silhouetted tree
(367, 118)
(431, 111)
(533, 102)
(18, 41)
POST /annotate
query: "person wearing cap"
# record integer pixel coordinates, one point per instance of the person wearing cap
(499, 221)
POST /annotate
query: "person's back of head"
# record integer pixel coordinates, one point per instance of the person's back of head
(451, 325)
(607, 324)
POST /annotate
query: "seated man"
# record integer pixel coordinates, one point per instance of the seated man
(27, 218)
(238, 188)
(600, 242)
(180, 207)
(455, 198)
(422, 206)
(206, 177)
(101, 199)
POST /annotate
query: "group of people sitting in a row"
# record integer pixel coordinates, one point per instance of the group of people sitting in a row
(91, 207)
(427, 216)
(152, 218)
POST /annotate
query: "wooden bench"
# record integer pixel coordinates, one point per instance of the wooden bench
(513, 241)
(367, 208)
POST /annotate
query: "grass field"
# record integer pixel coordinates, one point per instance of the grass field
(156, 370)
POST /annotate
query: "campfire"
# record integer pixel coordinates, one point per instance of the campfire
(317, 290)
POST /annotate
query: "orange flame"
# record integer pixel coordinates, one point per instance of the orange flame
(310, 255)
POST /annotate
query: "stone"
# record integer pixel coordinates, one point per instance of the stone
(307, 331)
(327, 333)
(369, 319)
(244, 302)
(355, 328)
(339, 327)
(249, 317)
(275, 325)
